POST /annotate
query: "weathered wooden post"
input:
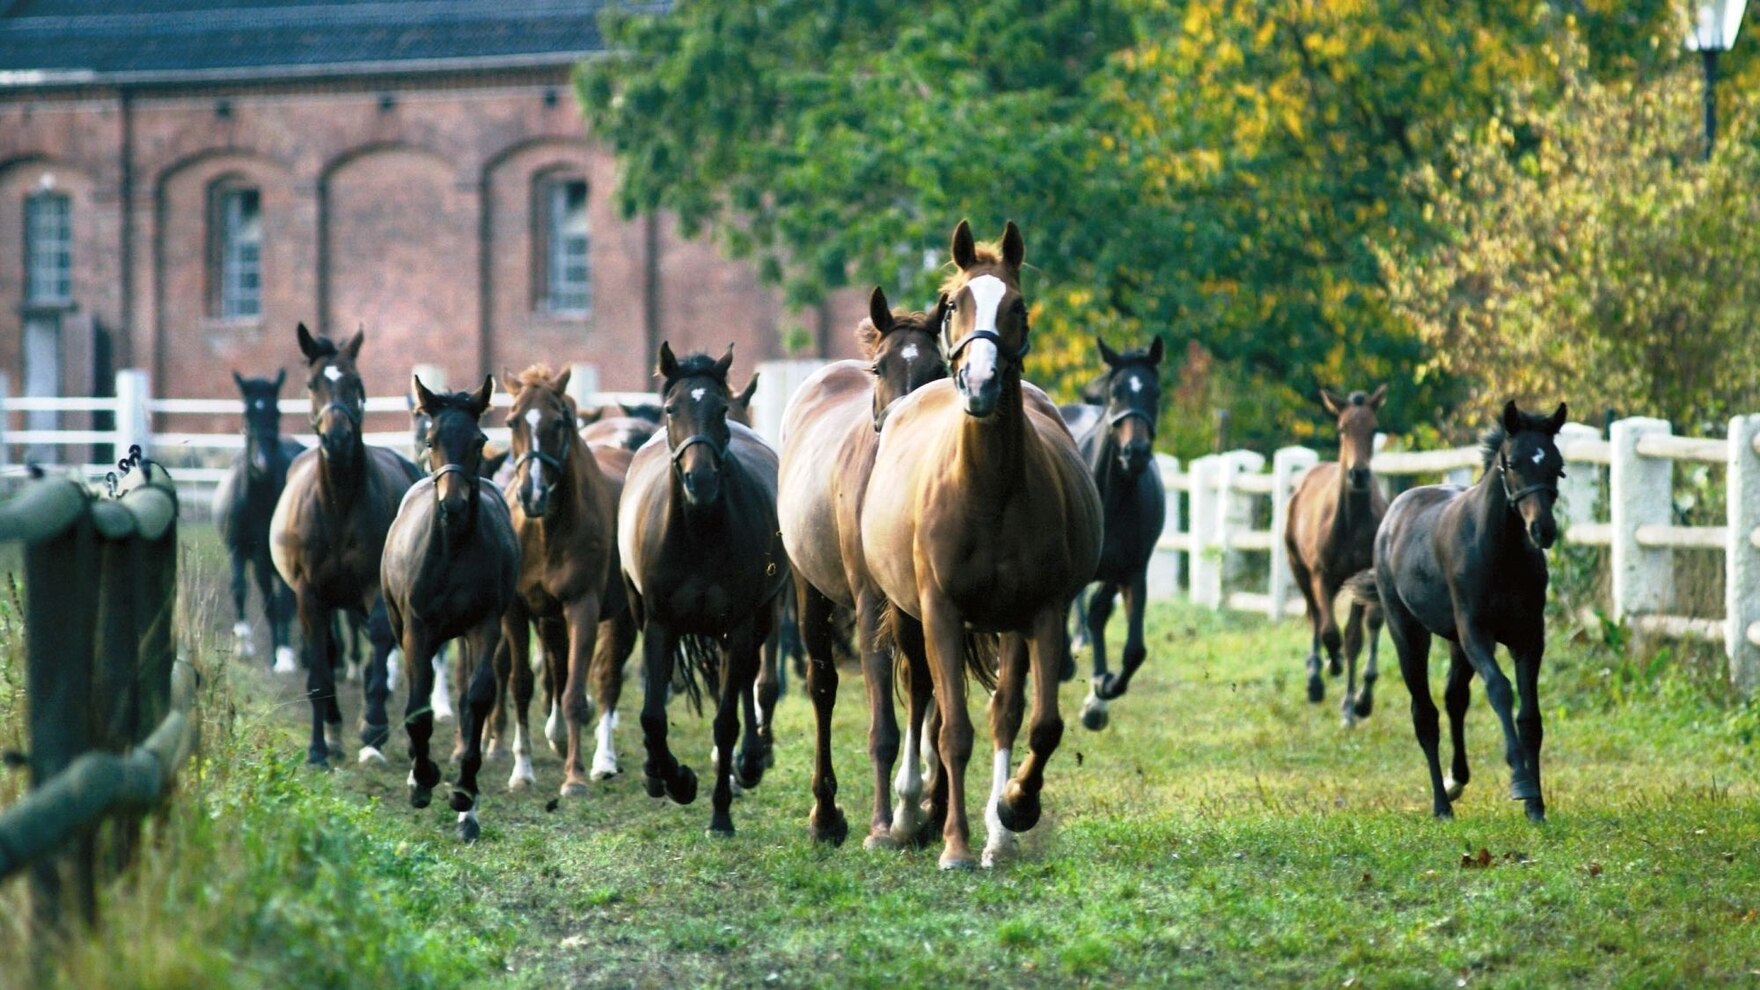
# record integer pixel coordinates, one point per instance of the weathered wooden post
(1237, 513)
(1641, 490)
(1741, 587)
(1288, 464)
(1164, 564)
(1204, 565)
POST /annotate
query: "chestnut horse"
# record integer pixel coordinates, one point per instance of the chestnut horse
(704, 562)
(243, 503)
(1469, 565)
(981, 515)
(1330, 535)
(328, 534)
(830, 434)
(448, 572)
(1117, 443)
(565, 512)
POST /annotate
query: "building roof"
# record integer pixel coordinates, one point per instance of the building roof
(61, 42)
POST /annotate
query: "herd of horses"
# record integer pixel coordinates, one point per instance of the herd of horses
(929, 512)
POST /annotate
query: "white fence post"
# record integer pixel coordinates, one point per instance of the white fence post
(433, 377)
(1741, 587)
(1288, 464)
(1236, 512)
(1205, 563)
(134, 423)
(5, 396)
(1579, 491)
(1163, 576)
(1641, 490)
(776, 385)
(583, 382)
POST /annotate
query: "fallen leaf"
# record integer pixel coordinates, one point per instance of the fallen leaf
(1480, 861)
(1366, 878)
(1594, 869)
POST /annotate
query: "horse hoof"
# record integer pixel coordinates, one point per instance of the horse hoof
(1094, 715)
(285, 662)
(605, 770)
(881, 839)
(655, 785)
(1443, 813)
(374, 736)
(1523, 789)
(522, 782)
(371, 754)
(951, 861)
(574, 787)
(419, 796)
(832, 831)
(1453, 787)
(318, 759)
(682, 788)
(999, 850)
(1365, 706)
(1536, 815)
(748, 774)
(462, 800)
(1316, 688)
(1017, 810)
(719, 830)
(468, 827)
(1334, 667)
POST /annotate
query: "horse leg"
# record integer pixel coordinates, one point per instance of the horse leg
(1303, 581)
(441, 699)
(1007, 705)
(1078, 637)
(1412, 642)
(513, 666)
(375, 723)
(664, 774)
(314, 620)
(1136, 650)
(583, 629)
(1479, 648)
(1528, 721)
(825, 823)
(1371, 671)
(944, 637)
(1326, 597)
(1353, 645)
(756, 753)
(617, 637)
(1019, 808)
(241, 629)
(1094, 715)
(909, 822)
(553, 657)
(1455, 696)
(739, 670)
(418, 719)
(877, 664)
(478, 649)
(276, 601)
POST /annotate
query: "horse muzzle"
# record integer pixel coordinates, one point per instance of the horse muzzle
(534, 500)
(1133, 459)
(702, 486)
(1359, 479)
(1543, 532)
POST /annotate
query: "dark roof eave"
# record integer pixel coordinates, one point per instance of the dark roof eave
(13, 80)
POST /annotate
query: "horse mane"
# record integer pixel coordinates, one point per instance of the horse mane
(987, 253)
(693, 365)
(1492, 440)
(457, 401)
(868, 336)
(534, 375)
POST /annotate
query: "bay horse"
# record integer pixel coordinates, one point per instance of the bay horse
(565, 514)
(830, 434)
(704, 563)
(327, 536)
(981, 515)
(1330, 535)
(244, 501)
(1118, 446)
(1469, 565)
(448, 572)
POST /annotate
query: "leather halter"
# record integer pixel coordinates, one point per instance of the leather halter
(1131, 413)
(1514, 498)
(552, 461)
(353, 414)
(696, 438)
(950, 352)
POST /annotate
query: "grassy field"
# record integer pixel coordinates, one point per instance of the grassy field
(1221, 832)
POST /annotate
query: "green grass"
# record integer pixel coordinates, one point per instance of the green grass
(1221, 832)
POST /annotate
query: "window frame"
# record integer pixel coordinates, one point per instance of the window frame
(235, 251)
(34, 255)
(554, 293)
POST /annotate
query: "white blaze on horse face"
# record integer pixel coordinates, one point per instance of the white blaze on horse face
(1136, 384)
(333, 373)
(987, 292)
(532, 418)
(697, 394)
(1539, 455)
(909, 353)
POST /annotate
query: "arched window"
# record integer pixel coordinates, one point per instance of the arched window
(48, 249)
(565, 282)
(235, 250)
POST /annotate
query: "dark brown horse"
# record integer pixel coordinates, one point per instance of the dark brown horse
(450, 562)
(328, 534)
(244, 501)
(980, 515)
(1469, 565)
(830, 434)
(565, 512)
(704, 561)
(1118, 445)
(1330, 535)
(628, 432)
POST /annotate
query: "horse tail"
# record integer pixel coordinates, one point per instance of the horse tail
(1364, 591)
(696, 668)
(979, 650)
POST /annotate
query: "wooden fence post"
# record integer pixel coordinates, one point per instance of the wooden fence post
(1579, 491)
(1288, 464)
(134, 421)
(1641, 493)
(1164, 565)
(1205, 563)
(1236, 512)
(1741, 587)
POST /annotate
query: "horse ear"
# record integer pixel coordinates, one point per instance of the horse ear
(307, 345)
(1107, 354)
(668, 363)
(965, 252)
(1333, 402)
(1512, 418)
(939, 315)
(1014, 248)
(880, 311)
(480, 401)
(1557, 420)
(510, 381)
(424, 398)
(492, 462)
(1156, 351)
(352, 349)
(238, 378)
(280, 377)
(591, 415)
(751, 389)
(726, 362)
(1376, 396)
(560, 382)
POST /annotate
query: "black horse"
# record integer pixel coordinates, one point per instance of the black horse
(1468, 564)
(1116, 437)
(243, 504)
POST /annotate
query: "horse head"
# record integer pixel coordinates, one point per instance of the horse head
(262, 420)
(543, 424)
(339, 400)
(983, 317)
(694, 400)
(1524, 450)
(454, 445)
(1357, 426)
(1132, 397)
(901, 350)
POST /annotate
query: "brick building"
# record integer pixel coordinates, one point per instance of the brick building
(182, 181)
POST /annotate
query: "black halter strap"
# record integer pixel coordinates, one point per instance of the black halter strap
(554, 462)
(1514, 497)
(1129, 413)
(696, 438)
(949, 352)
(353, 414)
